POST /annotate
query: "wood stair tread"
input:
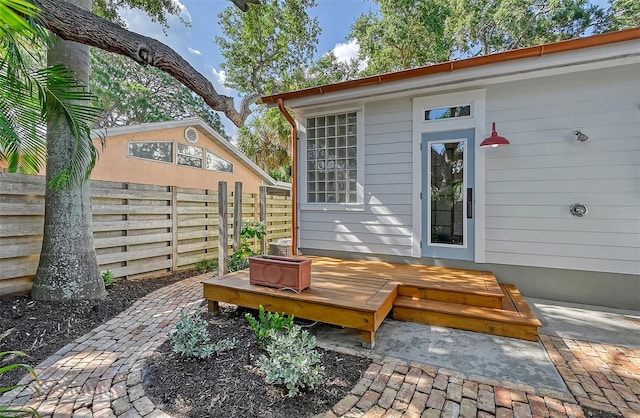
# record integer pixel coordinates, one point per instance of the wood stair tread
(479, 312)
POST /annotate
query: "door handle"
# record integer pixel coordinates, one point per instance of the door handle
(470, 203)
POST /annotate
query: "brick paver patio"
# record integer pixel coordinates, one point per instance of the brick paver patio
(100, 374)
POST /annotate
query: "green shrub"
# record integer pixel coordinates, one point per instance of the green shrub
(239, 260)
(292, 360)
(209, 264)
(190, 338)
(268, 321)
(14, 412)
(108, 279)
(225, 345)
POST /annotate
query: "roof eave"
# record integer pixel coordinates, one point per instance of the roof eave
(451, 66)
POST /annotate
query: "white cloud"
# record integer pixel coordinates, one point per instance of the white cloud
(194, 51)
(184, 12)
(137, 21)
(219, 78)
(345, 52)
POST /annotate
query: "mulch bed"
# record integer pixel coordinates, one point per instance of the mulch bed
(229, 384)
(39, 328)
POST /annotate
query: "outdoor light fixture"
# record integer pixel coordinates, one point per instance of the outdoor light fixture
(580, 137)
(578, 209)
(494, 140)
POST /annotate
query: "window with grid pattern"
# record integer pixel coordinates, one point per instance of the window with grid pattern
(189, 155)
(332, 169)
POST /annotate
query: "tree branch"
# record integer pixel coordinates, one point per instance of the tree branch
(244, 4)
(72, 23)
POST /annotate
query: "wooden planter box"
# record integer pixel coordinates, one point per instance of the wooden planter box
(280, 272)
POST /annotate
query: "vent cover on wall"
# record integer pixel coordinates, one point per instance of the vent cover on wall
(191, 135)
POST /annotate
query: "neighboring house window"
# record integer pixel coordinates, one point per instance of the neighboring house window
(332, 164)
(447, 112)
(216, 163)
(148, 150)
(189, 155)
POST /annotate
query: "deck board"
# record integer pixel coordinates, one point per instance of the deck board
(354, 293)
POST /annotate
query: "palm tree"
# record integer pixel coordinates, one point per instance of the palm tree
(51, 107)
(265, 139)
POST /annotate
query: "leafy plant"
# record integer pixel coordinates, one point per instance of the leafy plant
(292, 360)
(239, 260)
(225, 345)
(7, 411)
(209, 264)
(190, 338)
(268, 321)
(108, 278)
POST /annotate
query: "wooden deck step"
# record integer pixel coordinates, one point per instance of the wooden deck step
(484, 299)
(513, 319)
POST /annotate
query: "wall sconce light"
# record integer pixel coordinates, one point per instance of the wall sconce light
(580, 137)
(494, 140)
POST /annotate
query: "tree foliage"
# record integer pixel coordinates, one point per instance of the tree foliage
(266, 140)
(326, 70)
(622, 14)
(410, 33)
(132, 94)
(267, 46)
(482, 27)
(157, 10)
(403, 34)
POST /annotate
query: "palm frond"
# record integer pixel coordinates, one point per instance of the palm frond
(62, 95)
(22, 129)
(12, 14)
(29, 98)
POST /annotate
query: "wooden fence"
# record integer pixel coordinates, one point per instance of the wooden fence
(139, 230)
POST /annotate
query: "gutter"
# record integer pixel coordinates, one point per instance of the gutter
(294, 176)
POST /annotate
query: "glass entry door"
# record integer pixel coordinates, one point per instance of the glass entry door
(447, 195)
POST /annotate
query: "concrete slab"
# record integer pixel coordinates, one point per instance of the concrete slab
(588, 323)
(500, 358)
(497, 357)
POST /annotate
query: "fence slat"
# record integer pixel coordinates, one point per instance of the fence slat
(223, 235)
(139, 229)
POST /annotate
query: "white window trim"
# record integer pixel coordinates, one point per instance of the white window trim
(465, 230)
(302, 162)
(477, 122)
(454, 105)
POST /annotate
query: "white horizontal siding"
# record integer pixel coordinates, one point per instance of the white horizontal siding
(573, 186)
(531, 184)
(557, 212)
(384, 226)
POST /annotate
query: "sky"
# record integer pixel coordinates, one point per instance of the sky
(196, 44)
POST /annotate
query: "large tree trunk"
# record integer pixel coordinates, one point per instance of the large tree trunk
(68, 266)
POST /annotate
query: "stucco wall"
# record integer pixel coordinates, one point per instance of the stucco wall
(115, 165)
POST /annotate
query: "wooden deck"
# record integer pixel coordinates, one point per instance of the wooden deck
(360, 294)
